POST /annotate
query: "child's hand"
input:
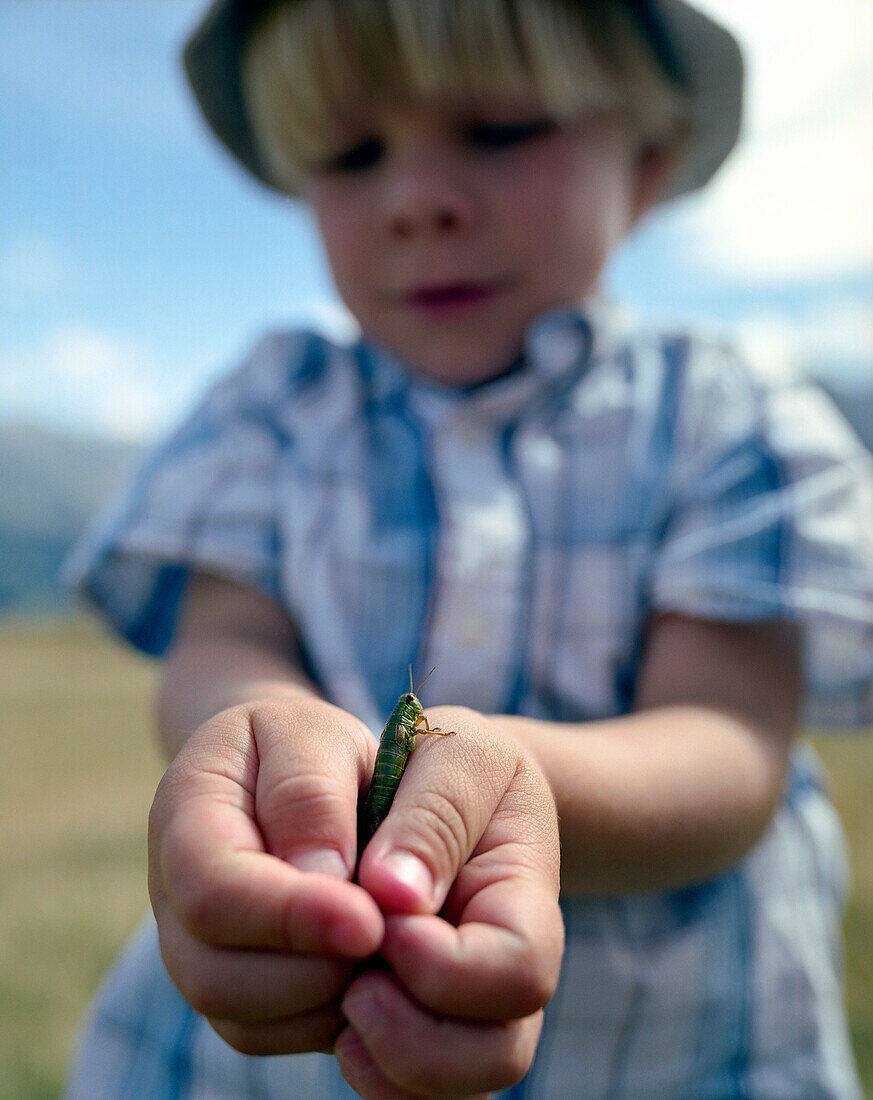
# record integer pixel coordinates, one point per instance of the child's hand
(252, 841)
(472, 835)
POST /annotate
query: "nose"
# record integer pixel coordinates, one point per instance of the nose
(426, 196)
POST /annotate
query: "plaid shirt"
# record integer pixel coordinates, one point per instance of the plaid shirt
(518, 536)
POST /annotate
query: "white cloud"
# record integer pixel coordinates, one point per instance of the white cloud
(81, 377)
(794, 203)
(793, 208)
(800, 57)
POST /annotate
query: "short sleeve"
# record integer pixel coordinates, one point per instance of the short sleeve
(771, 517)
(205, 500)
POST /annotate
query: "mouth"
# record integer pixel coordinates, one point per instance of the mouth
(448, 298)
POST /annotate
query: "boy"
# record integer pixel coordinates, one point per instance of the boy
(599, 536)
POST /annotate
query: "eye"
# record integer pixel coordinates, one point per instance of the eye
(357, 158)
(503, 135)
(410, 698)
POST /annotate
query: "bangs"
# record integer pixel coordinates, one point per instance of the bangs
(308, 61)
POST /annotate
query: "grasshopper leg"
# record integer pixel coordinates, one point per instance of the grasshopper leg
(427, 729)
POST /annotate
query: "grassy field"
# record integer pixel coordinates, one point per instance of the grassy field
(78, 773)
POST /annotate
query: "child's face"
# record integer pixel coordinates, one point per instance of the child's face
(449, 228)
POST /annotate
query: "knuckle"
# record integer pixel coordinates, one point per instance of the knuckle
(304, 811)
(536, 974)
(198, 989)
(308, 1033)
(539, 967)
(505, 1058)
(441, 825)
(307, 797)
(160, 811)
(509, 1052)
(535, 988)
(196, 900)
(246, 1038)
(194, 980)
(517, 1057)
(173, 852)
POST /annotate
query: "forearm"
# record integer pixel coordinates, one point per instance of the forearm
(233, 645)
(202, 680)
(658, 799)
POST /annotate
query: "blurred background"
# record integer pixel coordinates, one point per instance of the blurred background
(138, 263)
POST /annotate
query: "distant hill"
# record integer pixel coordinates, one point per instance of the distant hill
(51, 485)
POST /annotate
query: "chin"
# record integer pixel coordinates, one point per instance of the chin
(461, 376)
(462, 369)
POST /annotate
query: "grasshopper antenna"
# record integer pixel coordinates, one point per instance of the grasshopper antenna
(423, 682)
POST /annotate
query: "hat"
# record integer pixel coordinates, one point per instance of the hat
(701, 56)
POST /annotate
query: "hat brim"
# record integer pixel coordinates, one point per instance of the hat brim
(703, 56)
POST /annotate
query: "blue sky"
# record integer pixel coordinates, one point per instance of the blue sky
(137, 262)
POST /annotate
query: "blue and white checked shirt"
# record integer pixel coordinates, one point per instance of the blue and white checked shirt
(517, 536)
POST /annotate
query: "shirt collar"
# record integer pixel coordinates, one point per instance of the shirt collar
(558, 342)
(568, 340)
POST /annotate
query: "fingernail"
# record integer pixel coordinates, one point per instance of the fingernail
(409, 870)
(320, 861)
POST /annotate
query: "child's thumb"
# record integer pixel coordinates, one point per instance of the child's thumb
(446, 798)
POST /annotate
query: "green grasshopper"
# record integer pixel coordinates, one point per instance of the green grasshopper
(395, 745)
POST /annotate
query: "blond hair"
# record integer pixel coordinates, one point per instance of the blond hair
(306, 59)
